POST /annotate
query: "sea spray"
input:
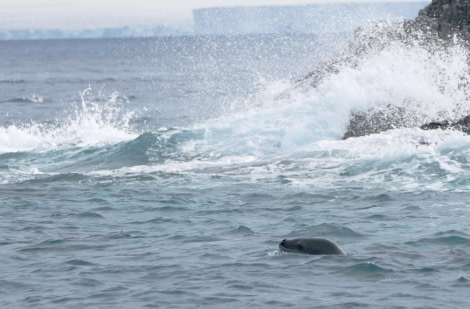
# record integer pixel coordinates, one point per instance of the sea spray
(387, 78)
(95, 120)
(391, 77)
(100, 120)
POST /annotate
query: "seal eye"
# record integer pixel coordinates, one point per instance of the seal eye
(300, 247)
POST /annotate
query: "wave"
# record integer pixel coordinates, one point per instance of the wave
(147, 149)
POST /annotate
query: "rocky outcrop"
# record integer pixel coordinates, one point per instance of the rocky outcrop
(460, 125)
(372, 122)
(447, 18)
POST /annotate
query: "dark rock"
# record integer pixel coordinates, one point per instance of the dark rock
(447, 18)
(436, 125)
(464, 121)
(460, 125)
(372, 122)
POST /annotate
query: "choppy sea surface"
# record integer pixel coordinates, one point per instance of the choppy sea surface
(163, 173)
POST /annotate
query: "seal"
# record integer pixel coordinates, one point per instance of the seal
(313, 245)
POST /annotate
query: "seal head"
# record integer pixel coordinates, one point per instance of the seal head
(313, 245)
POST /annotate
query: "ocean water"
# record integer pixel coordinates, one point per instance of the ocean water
(163, 173)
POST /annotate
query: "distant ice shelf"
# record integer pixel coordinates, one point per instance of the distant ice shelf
(310, 18)
(112, 32)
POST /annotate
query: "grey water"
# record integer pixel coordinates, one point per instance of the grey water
(163, 173)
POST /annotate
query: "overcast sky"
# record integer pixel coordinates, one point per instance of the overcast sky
(70, 14)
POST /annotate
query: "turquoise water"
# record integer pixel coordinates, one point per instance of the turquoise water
(165, 172)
